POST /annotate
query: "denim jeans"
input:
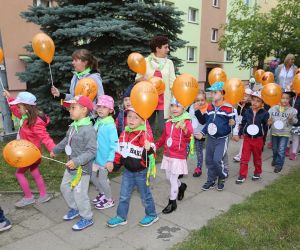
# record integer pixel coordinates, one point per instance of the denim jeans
(129, 181)
(279, 144)
(199, 152)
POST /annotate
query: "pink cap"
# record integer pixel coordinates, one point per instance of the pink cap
(106, 101)
(82, 100)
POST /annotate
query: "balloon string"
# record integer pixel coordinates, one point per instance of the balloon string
(53, 160)
(146, 139)
(51, 75)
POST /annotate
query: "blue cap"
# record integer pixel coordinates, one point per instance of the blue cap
(175, 102)
(24, 98)
(128, 91)
(216, 86)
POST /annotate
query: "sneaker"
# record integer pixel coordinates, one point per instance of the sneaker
(287, 152)
(277, 169)
(25, 202)
(43, 199)
(105, 204)
(269, 146)
(293, 156)
(72, 214)
(82, 224)
(226, 172)
(180, 176)
(237, 158)
(197, 172)
(273, 163)
(116, 221)
(98, 198)
(255, 177)
(148, 221)
(5, 225)
(208, 185)
(221, 183)
(240, 180)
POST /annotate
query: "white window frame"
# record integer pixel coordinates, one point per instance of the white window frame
(228, 51)
(214, 35)
(216, 3)
(190, 14)
(188, 54)
(41, 2)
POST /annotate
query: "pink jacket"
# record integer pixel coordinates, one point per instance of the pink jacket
(180, 140)
(37, 134)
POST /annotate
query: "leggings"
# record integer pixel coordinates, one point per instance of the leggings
(100, 180)
(34, 170)
(295, 143)
(175, 184)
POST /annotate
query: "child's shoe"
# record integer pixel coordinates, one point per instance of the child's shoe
(273, 163)
(98, 198)
(43, 199)
(197, 172)
(208, 185)
(148, 221)
(221, 183)
(287, 152)
(255, 177)
(116, 221)
(5, 225)
(180, 176)
(25, 202)
(237, 158)
(82, 224)
(240, 180)
(105, 204)
(293, 156)
(72, 214)
(172, 205)
(181, 191)
(277, 169)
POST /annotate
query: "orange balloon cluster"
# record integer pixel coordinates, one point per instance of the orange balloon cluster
(258, 75)
(43, 46)
(137, 63)
(234, 91)
(158, 83)
(87, 87)
(267, 77)
(144, 99)
(21, 153)
(296, 83)
(271, 94)
(185, 89)
(216, 75)
(1, 55)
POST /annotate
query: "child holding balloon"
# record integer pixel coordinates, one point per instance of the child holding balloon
(33, 125)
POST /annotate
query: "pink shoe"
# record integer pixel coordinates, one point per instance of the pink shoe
(269, 145)
(293, 156)
(287, 152)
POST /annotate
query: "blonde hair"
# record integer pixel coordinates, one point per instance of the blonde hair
(288, 57)
(202, 92)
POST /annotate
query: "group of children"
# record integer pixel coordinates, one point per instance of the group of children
(96, 148)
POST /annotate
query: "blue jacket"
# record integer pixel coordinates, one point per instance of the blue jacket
(219, 116)
(107, 141)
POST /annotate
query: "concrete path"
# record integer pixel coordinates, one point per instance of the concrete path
(41, 227)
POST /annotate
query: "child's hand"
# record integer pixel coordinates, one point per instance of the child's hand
(182, 125)
(231, 122)
(55, 92)
(198, 136)
(6, 93)
(70, 164)
(270, 121)
(52, 154)
(196, 105)
(109, 166)
(290, 118)
(235, 138)
(147, 145)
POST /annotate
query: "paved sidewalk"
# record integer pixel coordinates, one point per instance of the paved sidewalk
(41, 227)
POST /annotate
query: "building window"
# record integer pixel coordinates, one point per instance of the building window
(193, 15)
(46, 3)
(216, 3)
(167, 3)
(243, 60)
(214, 35)
(228, 56)
(191, 54)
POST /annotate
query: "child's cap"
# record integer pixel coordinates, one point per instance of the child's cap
(289, 92)
(133, 110)
(106, 101)
(25, 98)
(257, 94)
(127, 91)
(175, 102)
(216, 86)
(82, 100)
(248, 91)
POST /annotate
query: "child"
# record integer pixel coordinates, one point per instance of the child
(198, 115)
(282, 117)
(33, 125)
(133, 149)
(175, 138)
(295, 129)
(218, 127)
(80, 146)
(253, 128)
(107, 139)
(4, 222)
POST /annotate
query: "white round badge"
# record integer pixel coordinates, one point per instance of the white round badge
(68, 149)
(212, 129)
(252, 129)
(278, 124)
(194, 123)
(169, 142)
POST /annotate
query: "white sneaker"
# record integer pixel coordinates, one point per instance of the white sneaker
(43, 199)
(105, 204)
(25, 202)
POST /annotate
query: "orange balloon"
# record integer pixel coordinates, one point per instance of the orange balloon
(234, 91)
(21, 153)
(137, 63)
(144, 99)
(267, 77)
(1, 55)
(185, 89)
(158, 83)
(296, 83)
(216, 75)
(43, 46)
(87, 87)
(271, 94)
(258, 75)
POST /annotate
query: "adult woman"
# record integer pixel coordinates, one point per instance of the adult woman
(285, 72)
(159, 65)
(85, 65)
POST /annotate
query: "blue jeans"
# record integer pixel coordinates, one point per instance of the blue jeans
(199, 152)
(279, 144)
(129, 181)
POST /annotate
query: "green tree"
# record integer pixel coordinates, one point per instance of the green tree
(252, 35)
(110, 29)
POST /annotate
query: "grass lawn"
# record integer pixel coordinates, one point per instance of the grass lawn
(269, 219)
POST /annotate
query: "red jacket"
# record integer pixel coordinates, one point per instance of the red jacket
(178, 148)
(37, 134)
